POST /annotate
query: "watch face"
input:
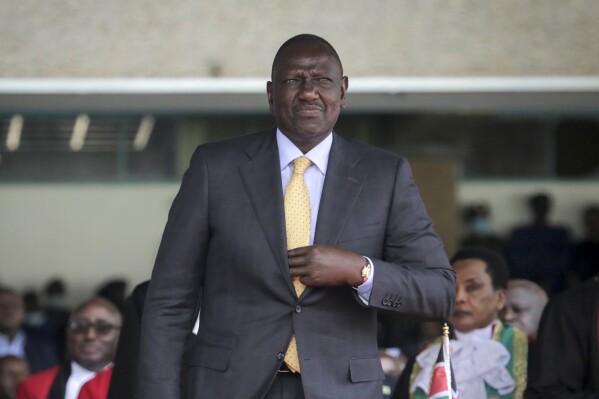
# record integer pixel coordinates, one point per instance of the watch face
(365, 273)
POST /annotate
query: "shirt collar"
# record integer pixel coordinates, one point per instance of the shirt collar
(319, 155)
(479, 333)
(78, 371)
(18, 339)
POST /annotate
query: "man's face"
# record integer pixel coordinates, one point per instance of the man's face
(92, 336)
(12, 312)
(477, 302)
(307, 93)
(12, 372)
(523, 309)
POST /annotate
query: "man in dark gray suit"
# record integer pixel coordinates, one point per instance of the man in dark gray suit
(371, 246)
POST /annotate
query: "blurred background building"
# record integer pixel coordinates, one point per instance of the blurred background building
(102, 104)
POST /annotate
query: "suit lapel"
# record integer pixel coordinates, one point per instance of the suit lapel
(343, 183)
(262, 178)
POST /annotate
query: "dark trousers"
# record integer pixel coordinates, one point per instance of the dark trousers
(286, 385)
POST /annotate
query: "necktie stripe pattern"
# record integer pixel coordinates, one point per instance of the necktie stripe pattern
(297, 225)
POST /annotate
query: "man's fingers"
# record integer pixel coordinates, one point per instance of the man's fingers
(300, 251)
(297, 261)
(298, 271)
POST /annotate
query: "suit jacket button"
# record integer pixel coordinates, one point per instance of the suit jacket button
(385, 302)
(298, 309)
(280, 355)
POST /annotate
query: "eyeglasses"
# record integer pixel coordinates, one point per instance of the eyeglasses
(82, 326)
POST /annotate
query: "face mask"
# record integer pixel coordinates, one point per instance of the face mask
(56, 301)
(481, 227)
(35, 319)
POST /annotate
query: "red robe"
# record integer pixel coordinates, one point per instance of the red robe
(37, 386)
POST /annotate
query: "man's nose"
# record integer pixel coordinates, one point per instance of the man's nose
(91, 333)
(508, 314)
(308, 90)
(460, 295)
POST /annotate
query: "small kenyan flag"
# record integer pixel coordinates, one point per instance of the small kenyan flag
(443, 384)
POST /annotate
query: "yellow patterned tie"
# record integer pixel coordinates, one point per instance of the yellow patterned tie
(297, 224)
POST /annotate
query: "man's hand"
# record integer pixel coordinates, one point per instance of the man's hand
(326, 265)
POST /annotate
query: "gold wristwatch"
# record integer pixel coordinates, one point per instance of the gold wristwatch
(366, 271)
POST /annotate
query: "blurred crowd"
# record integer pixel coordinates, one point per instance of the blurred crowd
(549, 295)
(525, 323)
(539, 250)
(50, 350)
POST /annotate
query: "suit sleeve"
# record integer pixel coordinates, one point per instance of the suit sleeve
(414, 276)
(173, 294)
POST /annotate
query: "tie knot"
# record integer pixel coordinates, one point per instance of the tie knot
(300, 164)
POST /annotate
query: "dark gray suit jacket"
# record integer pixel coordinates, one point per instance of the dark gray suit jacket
(226, 233)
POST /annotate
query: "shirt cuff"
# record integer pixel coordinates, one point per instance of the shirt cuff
(365, 288)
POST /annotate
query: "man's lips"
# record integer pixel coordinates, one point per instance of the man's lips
(89, 348)
(461, 313)
(308, 111)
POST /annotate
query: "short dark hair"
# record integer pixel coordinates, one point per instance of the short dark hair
(497, 267)
(97, 301)
(304, 38)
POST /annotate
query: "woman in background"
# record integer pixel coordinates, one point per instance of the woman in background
(488, 356)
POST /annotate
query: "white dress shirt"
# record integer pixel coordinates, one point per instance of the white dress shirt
(15, 346)
(314, 177)
(78, 377)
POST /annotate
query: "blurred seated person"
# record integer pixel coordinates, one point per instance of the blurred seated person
(115, 291)
(479, 228)
(393, 363)
(36, 319)
(13, 370)
(586, 263)
(38, 350)
(489, 357)
(539, 251)
(565, 361)
(92, 337)
(524, 305)
(394, 360)
(57, 310)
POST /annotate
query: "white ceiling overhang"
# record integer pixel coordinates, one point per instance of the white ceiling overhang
(565, 94)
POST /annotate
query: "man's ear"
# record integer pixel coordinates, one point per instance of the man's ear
(501, 296)
(269, 96)
(344, 86)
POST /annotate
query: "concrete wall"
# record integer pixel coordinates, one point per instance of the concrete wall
(85, 233)
(179, 38)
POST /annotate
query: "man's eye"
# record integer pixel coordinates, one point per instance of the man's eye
(472, 287)
(517, 309)
(323, 81)
(291, 81)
